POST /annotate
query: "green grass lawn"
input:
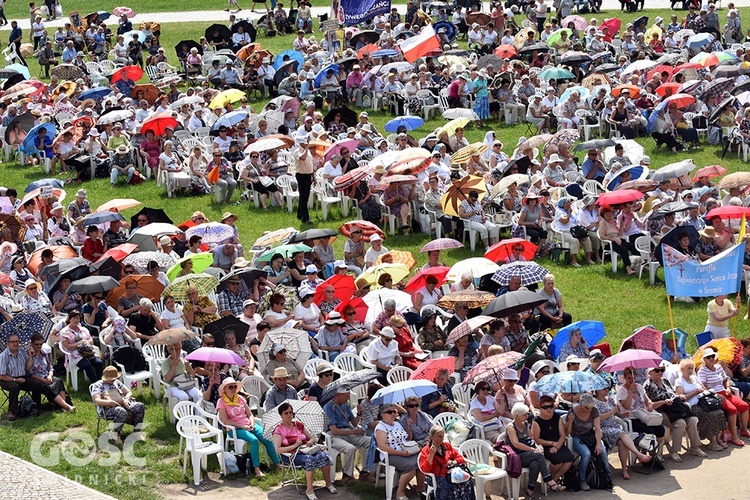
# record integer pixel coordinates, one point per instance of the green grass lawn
(622, 302)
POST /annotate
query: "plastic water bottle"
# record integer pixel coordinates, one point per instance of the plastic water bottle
(247, 467)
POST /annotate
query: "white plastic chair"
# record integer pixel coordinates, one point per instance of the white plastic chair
(310, 368)
(476, 452)
(72, 366)
(256, 387)
(462, 397)
(608, 250)
(189, 409)
(231, 437)
(167, 400)
(643, 245)
(428, 101)
(398, 374)
(347, 363)
(324, 195)
(155, 355)
(364, 358)
(390, 474)
(137, 377)
(284, 183)
(193, 429)
(592, 187)
(445, 418)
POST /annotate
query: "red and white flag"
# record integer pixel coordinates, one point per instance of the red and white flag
(417, 46)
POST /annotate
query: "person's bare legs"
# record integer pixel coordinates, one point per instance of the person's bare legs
(403, 482)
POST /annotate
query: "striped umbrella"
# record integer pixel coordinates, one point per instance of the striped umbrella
(441, 244)
(529, 272)
(271, 237)
(390, 179)
(398, 257)
(728, 351)
(412, 165)
(204, 283)
(465, 153)
(368, 229)
(352, 177)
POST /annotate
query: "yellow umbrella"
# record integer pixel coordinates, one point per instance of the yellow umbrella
(650, 33)
(450, 127)
(525, 34)
(397, 272)
(226, 96)
(459, 191)
(68, 88)
(398, 257)
(466, 152)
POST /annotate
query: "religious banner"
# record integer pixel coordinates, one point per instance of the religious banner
(357, 11)
(720, 275)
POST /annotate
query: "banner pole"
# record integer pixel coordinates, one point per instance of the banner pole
(671, 320)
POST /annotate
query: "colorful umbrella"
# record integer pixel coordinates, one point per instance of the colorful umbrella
(343, 288)
(464, 154)
(570, 382)
(215, 355)
(476, 266)
(226, 97)
(505, 51)
(419, 280)
(205, 283)
(58, 253)
(470, 298)
(25, 325)
(715, 89)
(491, 369)
(591, 332)
(450, 127)
(397, 272)
(335, 148)
(441, 244)
(211, 232)
(635, 91)
(729, 212)
(119, 252)
(557, 35)
(613, 24)
(158, 123)
(201, 262)
(412, 166)
(277, 236)
(134, 73)
(352, 177)
(728, 350)
(459, 191)
(359, 305)
(579, 23)
(429, 368)
(368, 229)
(468, 327)
(401, 391)
(287, 251)
(391, 179)
(667, 89)
(636, 358)
(146, 286)
(529, 272)
(556, 73)
(397, 257)
(647, 338)
(140, 260)
(503, 250)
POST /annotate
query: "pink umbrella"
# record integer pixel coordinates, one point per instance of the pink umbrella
(646, 338)
(637, 358)
(441, 244)
(335, 149)
(467, 327)
(119, 11)
(579, 22)
(215, 355)
(430, 367)
(397, 178)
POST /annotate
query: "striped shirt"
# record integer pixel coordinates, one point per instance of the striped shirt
(712, 379)
(13, 365)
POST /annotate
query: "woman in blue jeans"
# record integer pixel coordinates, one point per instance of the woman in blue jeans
(233, 410)
(583, 421)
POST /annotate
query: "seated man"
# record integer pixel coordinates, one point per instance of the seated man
(346, 436)
(280, 391)
(224, 256)
(145, 322)
(114, 402)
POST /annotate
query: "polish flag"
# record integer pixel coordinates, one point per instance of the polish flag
(417, 46)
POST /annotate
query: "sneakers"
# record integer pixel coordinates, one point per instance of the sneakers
(585, 486)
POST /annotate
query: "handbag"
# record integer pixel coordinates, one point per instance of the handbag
(677, 410)
(579, 232)
(310, 450)
(183, 381)
(650, 418)
(410, 447)
(709, 401)
(86, 351)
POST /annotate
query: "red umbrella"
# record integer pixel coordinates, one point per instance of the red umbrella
(134, 73)
(613, 24)
(352, 177)
(5, 280)
(370, 47)
(682, 100)
(343, 286)
(368, 229)
(662, 68)
(441, 244)
(729, 212)
(711, 171)
(158, 124)
(506, 51)
(119, 252)
(419, 280)
(504, 249)
(688, 65)
(647, 338)
(411, 166)
(359, 306)
(429, 368)
(634, 91)
(619, 197)
(666, 89)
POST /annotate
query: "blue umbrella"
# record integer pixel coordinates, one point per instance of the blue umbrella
(385, 53)
(29, 143)
(319, 77)
(445, 28)
(293, 55)
(19, 68)
(573, 382)
(556, 74)
(103, 15)
(58, 183)
(400, 391)
(130, 34)
(230, 119)
(96, 93)
(101, 218)
(25, 325)
(636, 172)
(654, 115)
(583, 91)
(410, 122)
(591, 331)
(695, 42)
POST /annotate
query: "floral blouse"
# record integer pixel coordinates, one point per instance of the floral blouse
(656, 393)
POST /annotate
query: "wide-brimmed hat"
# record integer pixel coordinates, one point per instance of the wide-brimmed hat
(539, 365)
(555, 158)
(110, 373)
(227, 215)
(122, 149)
(708, 232)
(510, 374)
(323, 367)
(240, 262)
(280, 372)
(708, 352)
(334, 318)
(81, 193)
(387, 332)
(227, 382)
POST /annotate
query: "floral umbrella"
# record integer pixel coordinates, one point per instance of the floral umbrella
(211, 232)
(491, 369)
(205, 283)
(140, 260)
(468, 327)
(25, 325)
(459, 191)
(470, 298)
(647, 338)
(728, 351)
(277, 236)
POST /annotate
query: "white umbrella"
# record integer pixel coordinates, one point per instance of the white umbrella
(454, 113)
(117, 115)
(376, 298)
(158, 228)
(189, 100)
(309, 413)
(641, 65)
(273, 118)
(501, 187)
(296, 342)
(265, 144)
(632, 150)
(476, 266)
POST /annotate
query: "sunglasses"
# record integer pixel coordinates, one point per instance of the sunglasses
(710, 357)
(209, 344)
(356, 232)
(658, 370)
(412, 406)
(483, 388)
(389, 412)
(547, 407)
(326, 374)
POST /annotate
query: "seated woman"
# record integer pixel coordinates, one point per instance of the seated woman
(390, 437)
(307, 312)
(564, 222)
(431, 337)
(584, 425)
(466, 356)
(678, 416)
(438, 457)
(631, 396)
(415, 422)
(233, 410)
(430, 294)
(497, 336)
(356, 332)
(411, 355)
(39, 367)
(664, 132)
(609, 231)
(151, 146)
(115, 402)
(324, 372)
(170, 163)
(211, 382)
(118, 334)
(713, 376)
(711, 424)
(330, 337)
(290, 435)
(180, 376)
(485, 412)
(548, 430)
(77, 341)
(552, 313)
(613, 433)
(278, 358)
(538, 370)
(518, 437)
(576, 345)
(34, 300)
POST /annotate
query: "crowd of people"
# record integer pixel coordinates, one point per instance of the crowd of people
(213, 142)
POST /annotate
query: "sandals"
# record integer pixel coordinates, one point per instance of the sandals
(332, 489)
(530, 495)
(716, 447)
(737, 442)
(556, 487)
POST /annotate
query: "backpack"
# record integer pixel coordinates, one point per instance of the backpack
(130, 358)
(597, 476)
(27, 407)
(571, 480)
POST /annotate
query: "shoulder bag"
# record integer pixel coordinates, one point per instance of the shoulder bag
(650, 418)
(709, 401)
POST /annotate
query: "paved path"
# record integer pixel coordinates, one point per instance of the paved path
(23, 480)
(611, 8)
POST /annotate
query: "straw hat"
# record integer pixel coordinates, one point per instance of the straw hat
(226, 383)
(110, 374)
